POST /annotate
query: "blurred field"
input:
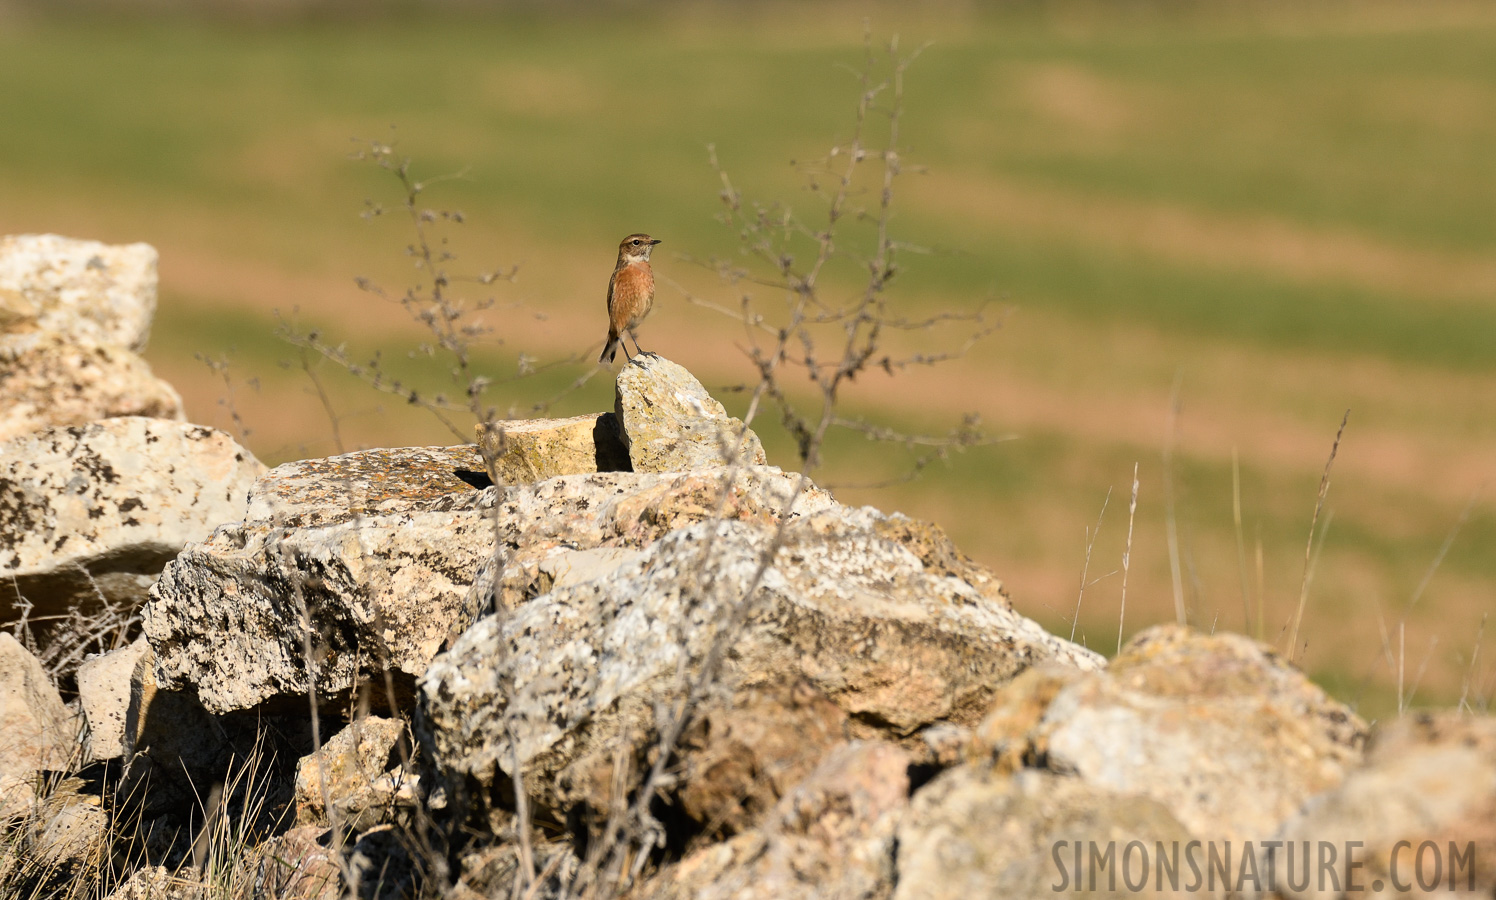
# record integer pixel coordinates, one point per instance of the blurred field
(1289, 209)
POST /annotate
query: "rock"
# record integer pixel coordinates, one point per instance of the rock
(832, 835)
(387, 586)
(572, 679)
(36, 729)
(156, 883)
(671, 424)
(977, 833)
(1226, 734)
(171, 745)
(300, 864)
(362, 772)
(104, 688)
(536, 449)
(1428, 777)
(82, 289)
(102, 507)
(572, 567)
(345, 488)
(49, 379)
(74, 829)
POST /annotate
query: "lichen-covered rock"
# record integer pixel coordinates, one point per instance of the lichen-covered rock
(104, 697)
(567, 682)
(81, 289)
(1225, 733)
(1428, 777)
(671, 424)
(342, 488)
(36, 730)
(361, 771)
(977, 833)
(100, 508)
(536, 449)
(387, 583)
(831, 835)
(48, 379)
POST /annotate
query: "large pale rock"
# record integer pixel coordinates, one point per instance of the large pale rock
(1429, 777)
(104, 687)
(388, 581)
(671, 424)
(81, 289)
(48, 378)
(565, 684)
(102, 507)
(535, 449)
(361, 772)
(36, 730)
(975, 833)
(1226, 734)
(831, 835)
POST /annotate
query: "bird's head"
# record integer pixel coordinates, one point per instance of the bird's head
(636, 248)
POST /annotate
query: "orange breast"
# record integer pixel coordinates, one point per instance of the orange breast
(632, 295)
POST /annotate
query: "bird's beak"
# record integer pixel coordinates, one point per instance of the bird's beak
(655, 241)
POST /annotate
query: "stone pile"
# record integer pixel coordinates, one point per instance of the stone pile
(368, 674)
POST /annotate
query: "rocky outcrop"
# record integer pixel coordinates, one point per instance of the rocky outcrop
(49, 379)
(1428, 784)
(98, 509)
(388, 568)
(83, 289)
(698, 675)
(1201, 723)
(671, 424)
(829, 609)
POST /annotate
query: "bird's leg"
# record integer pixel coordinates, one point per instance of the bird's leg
(637, 348)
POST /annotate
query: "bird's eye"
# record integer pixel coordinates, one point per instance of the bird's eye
(637, 242)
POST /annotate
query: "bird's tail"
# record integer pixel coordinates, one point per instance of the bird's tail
(610, 349)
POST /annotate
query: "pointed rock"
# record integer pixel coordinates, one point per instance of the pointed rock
(671, 424)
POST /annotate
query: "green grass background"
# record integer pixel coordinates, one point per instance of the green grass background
(223, 138)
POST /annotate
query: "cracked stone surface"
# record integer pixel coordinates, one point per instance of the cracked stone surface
(842, 613)
(102, 507)
(390, 567)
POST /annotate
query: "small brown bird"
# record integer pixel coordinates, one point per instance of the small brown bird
(631, 294)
